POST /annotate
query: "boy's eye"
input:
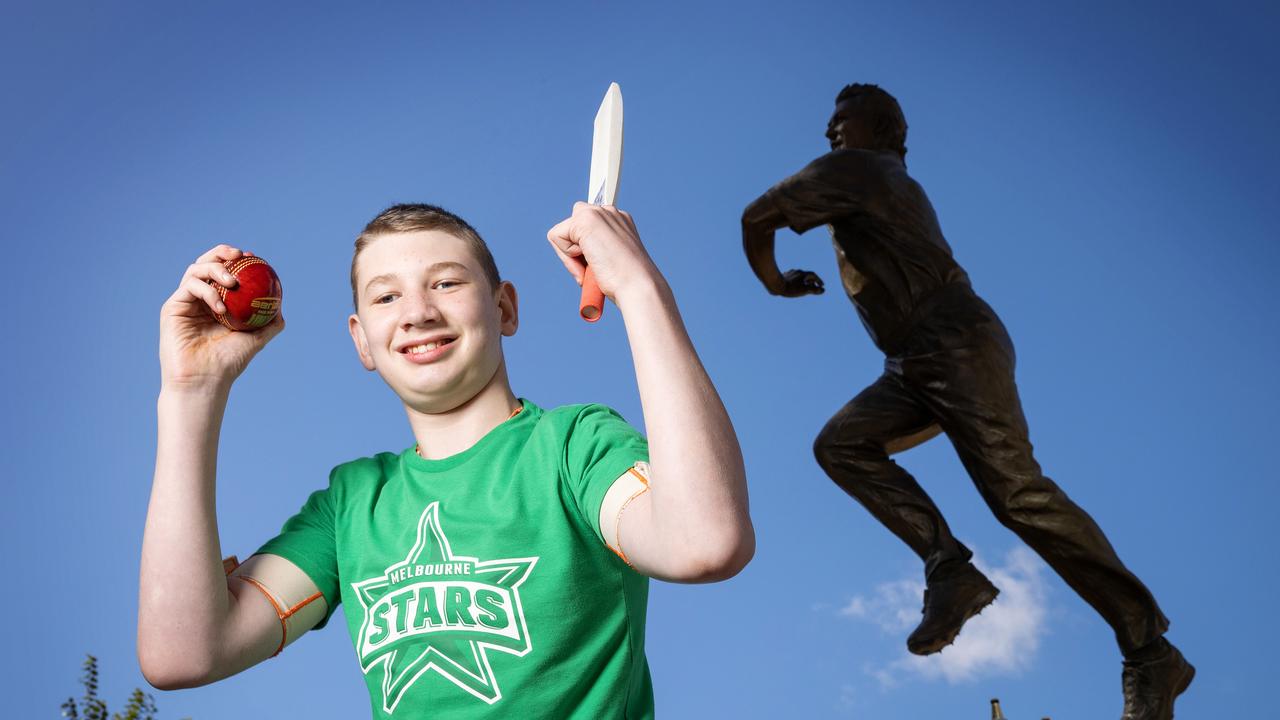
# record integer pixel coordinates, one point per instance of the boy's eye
(384, 299)
(446, 284)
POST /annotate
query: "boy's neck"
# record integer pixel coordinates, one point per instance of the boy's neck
(440, 435)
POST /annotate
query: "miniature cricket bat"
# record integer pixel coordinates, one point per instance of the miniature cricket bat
(606, 169)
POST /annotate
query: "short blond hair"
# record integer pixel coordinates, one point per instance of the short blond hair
(416, 217)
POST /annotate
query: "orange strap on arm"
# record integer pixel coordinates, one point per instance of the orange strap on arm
(629, 486)
(291, 593)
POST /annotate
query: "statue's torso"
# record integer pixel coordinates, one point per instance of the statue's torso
(895, 265)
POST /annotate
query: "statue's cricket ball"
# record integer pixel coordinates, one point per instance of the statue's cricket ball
(255, 300)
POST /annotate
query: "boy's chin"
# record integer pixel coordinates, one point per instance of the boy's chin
(444, 392)
(431, 403)
(437, 400)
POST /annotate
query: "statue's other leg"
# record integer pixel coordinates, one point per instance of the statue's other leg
(852, 451)
(972, 392)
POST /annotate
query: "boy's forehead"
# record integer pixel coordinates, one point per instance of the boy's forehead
(409, 252)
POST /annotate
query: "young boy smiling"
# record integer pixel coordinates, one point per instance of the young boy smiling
(508, 550)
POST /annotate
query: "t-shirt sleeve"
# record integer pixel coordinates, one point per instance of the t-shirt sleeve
(601, 446)
(308, 541)
(831, 187)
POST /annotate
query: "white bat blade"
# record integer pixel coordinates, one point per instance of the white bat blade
(606, 150)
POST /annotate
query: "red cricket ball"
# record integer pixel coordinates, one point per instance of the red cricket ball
(255, 301)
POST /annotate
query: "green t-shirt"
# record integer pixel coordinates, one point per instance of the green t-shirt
(478, 585)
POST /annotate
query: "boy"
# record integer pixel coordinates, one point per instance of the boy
(508, 547)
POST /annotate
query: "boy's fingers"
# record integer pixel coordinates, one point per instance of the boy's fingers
(628, 221)
(194, 291)
(211, 271)
(191, 299)
(221, 253)
(575, 265)
(562, 237)
(617, 222)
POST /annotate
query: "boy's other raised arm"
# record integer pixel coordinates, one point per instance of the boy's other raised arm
(693, 525)
(194, 626)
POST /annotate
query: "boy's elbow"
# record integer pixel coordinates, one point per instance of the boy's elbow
(162, 679)
(719, 559)
(738, 553)
(167, 669)
(163, 676)
(729, 564)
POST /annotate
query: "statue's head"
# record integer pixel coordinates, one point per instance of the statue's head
(867, 118)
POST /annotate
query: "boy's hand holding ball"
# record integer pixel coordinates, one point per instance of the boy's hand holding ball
(226, 308)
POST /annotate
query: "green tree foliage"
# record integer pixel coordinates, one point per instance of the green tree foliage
(141, 706)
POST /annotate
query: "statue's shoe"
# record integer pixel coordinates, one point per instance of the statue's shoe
(1152, 683)
(949, 601)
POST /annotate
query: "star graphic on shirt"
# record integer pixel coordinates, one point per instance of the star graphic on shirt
(436, 610)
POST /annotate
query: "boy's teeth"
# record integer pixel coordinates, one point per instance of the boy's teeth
(424, 348)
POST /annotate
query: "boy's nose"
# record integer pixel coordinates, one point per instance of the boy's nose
(418, 310)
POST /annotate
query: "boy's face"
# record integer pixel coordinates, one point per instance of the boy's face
(427, 320)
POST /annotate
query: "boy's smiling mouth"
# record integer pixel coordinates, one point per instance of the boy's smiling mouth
(427, 350)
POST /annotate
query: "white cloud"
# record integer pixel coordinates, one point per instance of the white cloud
(1002, 640)
(895, 606)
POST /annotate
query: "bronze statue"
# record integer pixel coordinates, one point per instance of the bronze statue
(949, 367)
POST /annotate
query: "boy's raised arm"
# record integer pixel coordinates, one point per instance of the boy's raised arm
(193, 626)
(693, 524)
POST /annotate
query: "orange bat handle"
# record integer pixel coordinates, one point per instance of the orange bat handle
(592, 305)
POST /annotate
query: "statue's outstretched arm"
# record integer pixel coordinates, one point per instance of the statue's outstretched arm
(760, 221)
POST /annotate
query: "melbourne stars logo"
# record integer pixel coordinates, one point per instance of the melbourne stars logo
(444, 612)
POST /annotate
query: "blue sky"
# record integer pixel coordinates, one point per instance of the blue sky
(1105, 175)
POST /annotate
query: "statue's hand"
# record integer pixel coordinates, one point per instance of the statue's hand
(797, 283)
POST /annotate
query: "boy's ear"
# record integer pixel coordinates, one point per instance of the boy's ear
(508, 308)
(361, 342)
